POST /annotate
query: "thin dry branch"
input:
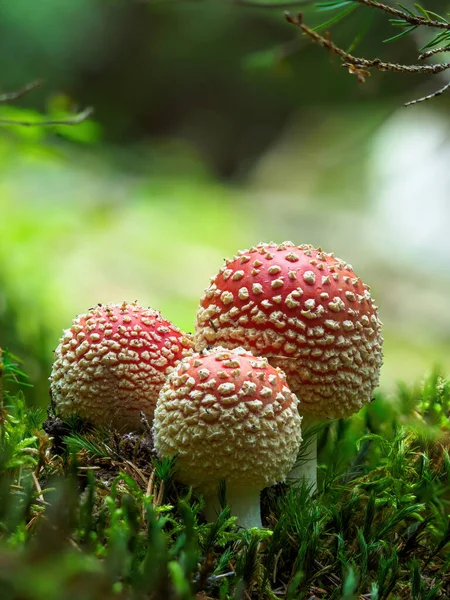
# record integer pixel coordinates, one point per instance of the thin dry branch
(429, 97)
(12, 96)
(432, 52)
(356, 64)
(400, 14)
(38, 488)
(75, 119)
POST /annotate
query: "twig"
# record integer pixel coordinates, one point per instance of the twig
(157, 500)
(432, 52)
(326, 571)
(145, 422)
(411, 19)
(151, 480)
(92, 468)
(149, 490)
(32, 521)
(429, 97)
(152, 491)
(215, 578)
(12, 96)
(38, 488)
(275, 565)
(72, 120)
(136, 470)
(356, 64)
(74, 545)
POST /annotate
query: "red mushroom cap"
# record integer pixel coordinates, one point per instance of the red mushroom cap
(112, 362)
(308, 313)
(228, 415)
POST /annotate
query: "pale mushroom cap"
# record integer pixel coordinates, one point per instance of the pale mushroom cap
(308, 313)
(112, 362)
(229, 416)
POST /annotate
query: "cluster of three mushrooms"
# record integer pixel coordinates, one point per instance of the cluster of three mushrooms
(228, 414)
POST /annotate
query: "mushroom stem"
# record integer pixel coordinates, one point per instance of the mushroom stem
(245, 505)
(305, 471)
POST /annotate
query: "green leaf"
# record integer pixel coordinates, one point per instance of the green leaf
(442, 37)
(406, 9)
(179, 581)
(77, 442)
(423, 11)
(437, 17)
(323, 6)
(337, 18)
(350, 585)
(400, 35)
(361, 33)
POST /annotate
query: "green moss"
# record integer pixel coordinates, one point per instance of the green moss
(98, 516)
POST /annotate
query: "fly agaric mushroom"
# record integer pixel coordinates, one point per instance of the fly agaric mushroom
(112, 362)
(310, 315)
(230, 416)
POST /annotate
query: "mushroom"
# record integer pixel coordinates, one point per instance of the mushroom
(112, 362)
(228, 416)
(310, 315)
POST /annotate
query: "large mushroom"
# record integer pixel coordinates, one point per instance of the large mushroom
(111, 364)
(310, 315)
(228, 416)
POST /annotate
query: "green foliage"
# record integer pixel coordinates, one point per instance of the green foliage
(105, 520)
(350, 7)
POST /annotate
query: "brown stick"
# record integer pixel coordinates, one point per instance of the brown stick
(12, 96)
(363, 63)
(400, 14)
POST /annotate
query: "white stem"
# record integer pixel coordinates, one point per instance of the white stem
(244, 505)
(306, 471)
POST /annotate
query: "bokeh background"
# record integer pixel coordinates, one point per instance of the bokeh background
(216, 126)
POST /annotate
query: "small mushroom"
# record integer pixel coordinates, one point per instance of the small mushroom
(310, 315)
(111, 364)
(230, 416)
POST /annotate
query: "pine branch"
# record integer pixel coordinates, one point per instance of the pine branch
(357, 65)
(429, 97)
(416, 20)
(432, 52)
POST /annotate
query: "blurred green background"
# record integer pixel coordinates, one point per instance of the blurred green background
(216, 126)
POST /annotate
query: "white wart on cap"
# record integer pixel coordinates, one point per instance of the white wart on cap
(111, 363)
(228, 416)
(308, 313)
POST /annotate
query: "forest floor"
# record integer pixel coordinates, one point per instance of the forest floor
(92, 514)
